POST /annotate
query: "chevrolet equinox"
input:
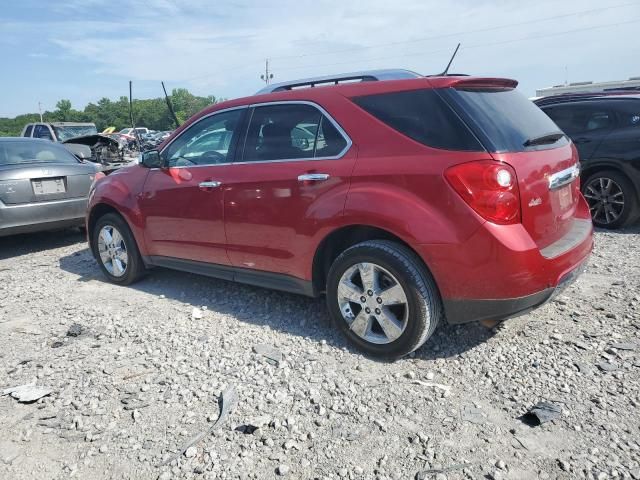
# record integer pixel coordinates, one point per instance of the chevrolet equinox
(404, 199)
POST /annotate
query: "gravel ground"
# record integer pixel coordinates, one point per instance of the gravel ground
(136, 372)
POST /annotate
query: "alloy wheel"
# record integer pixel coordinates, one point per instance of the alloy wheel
(606, 200)
(373, 303)
(113, 251)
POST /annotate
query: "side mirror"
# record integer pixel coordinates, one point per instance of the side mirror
(151, 159)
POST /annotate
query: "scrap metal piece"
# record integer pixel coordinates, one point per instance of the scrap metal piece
(228, 401)
(27, 393)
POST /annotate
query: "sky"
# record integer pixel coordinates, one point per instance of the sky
(83, 50)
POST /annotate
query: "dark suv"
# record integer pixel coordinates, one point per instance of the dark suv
(606, 130)
(405, 199)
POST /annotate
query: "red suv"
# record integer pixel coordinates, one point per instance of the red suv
(405, 199)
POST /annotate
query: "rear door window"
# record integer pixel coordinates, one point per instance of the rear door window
(42, 131)
(504, 119)
(423, 116)
(580, 118)
(290, 132)
(27, 132)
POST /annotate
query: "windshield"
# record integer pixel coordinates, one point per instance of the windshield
(504, 119)
(16, 153)
(72, 131)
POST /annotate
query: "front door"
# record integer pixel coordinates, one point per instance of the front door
(182, 203)
(288, 187)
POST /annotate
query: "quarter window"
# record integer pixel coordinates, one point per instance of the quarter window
(289, 132)
(208, 142)
(423, 116)
(27, 132)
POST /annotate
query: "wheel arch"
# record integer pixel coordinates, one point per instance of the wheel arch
(336, 242)
(97, 211)
(590, 168)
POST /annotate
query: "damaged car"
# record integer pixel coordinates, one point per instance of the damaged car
(106, 151)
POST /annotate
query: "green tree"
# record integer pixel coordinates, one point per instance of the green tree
(151, 113)
(63, 110)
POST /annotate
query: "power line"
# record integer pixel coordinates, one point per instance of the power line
(466, 47)
(435, 37)
(457, 34)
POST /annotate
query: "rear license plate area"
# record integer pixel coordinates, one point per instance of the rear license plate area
(565, 197)
(48, 186)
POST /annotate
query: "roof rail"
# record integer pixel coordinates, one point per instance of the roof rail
(365, 76)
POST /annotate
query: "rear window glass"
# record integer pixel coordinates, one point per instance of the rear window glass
(504, 120)
(423, 116)
(16, 153)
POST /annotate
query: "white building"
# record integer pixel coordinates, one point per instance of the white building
(588, 87)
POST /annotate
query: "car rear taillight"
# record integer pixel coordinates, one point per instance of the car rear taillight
(489, 187)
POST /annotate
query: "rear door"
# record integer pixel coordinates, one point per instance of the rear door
(587, 123)
(289, 184)
(517, 132)
(182, 203)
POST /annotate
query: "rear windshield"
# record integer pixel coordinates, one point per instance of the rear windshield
(423, 116)
(16, 153)
(503, 119)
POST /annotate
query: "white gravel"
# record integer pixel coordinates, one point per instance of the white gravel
(141, 375)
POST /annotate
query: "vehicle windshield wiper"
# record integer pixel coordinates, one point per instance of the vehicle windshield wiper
(547, 139)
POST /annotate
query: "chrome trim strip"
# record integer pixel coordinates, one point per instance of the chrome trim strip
(264, 104)
(564, 177)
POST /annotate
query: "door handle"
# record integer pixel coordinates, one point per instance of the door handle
(578, 141)
(209, 184)
(313, 177)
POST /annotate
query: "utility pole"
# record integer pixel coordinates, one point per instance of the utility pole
(40, 110)
(266, 76)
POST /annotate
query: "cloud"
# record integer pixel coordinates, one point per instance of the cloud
(220, 47)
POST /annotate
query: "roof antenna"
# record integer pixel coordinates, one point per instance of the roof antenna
(131, 117)
(173, 113)
(446, 70)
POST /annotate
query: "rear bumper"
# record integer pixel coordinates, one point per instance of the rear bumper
(33, 217)
(501, 272)
(464, 311)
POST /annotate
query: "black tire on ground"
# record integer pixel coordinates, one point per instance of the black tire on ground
(629, 195)
(135, 266)
(423, 299)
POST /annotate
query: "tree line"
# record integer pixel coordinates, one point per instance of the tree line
(151, 113)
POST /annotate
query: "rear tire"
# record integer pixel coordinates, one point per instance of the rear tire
(116, 250)
(382, 297)
(612, 199)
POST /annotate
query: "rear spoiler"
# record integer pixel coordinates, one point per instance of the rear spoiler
(483, 83)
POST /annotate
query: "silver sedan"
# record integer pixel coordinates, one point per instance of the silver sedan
(42, 186)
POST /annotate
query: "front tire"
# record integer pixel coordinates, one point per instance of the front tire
(382, 297)
(612, 199)
(116, 250)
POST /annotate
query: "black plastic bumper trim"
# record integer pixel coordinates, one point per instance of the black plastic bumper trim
(459, 311)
